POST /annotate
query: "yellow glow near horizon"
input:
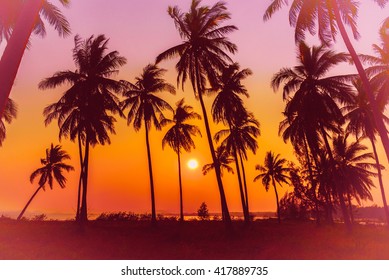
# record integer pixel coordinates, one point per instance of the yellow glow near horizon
(193, 164)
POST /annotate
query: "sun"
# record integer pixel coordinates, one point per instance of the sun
(193, 164)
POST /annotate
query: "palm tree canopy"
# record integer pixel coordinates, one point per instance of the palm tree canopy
(203, 50)
(227, 104)
(317, 16)
(10, 11)
(224, 160)
(9, 114)
(273, 169)
(83, 108)
(241, 136)
(141, 100)
(180, 133)
(52, 167)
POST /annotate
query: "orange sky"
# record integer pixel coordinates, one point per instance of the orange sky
(140, 30)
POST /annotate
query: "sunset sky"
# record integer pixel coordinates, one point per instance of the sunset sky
(118, 180)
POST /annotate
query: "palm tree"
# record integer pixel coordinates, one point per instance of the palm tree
(312, 99)
(273, 171)
(228, 108)
(240, 137)
(202, 54)
(330, 17)
(359, 116)
(179, 136)
(9, 114)
(52, 169)
(224, 160)
(84, 111)
(146, 107)
(18, 19)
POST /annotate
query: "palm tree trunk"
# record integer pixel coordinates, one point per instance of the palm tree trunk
(80, 180)
(379, 122)
(338, 192)
(13, 52)
(386, 210)
(180, 184)
(84, 207)
(225, 213)
(246, 194)
(278, 204)
(242, 196)
(28, 203)
(153, 212)
(350, 207)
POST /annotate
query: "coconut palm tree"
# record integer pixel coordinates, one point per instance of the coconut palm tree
(240, 137)
(313, 98)
(331, 17)
(84, 112)
(18, 19)
(203, 52)
(273, 171)
(52, 169)
(358, 113)
(9, 114)
(146, 107)
(179, 136)
(228, 108)
(224, 160)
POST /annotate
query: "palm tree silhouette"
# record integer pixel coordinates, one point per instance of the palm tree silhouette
(84, 111)
(359, 116)
(10, 113)
(179, 136)
(18, 20)
(312, 99)
(273, 171)
(52, 169)
(228, 108)
(224, 160)
(240, 137)
(145, 106)
(330, 17)
(202, 54)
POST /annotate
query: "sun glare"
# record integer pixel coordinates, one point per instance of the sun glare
(193, 164)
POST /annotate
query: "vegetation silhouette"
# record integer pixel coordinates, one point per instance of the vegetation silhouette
(146, 107)
(329, 17)
(18, 19)
(9, 114)
(202, 212)
(223, 159)
(52, 169)
(179, 136)
(84, 110)
(202, 54)
(312, 111)
(359, 116)
(273, 171)
(228, 108)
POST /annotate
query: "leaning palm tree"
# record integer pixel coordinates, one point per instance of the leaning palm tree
(179, 136)
(358, 113)
(84, 112)
(330, 17)
(273, 171)
(146, 107)
(202, 54)
(18, 19)
(9, 114)
(52, 169)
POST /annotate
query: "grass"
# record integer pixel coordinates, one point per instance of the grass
(266, 239)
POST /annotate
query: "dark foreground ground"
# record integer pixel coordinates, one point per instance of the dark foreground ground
(192, 240)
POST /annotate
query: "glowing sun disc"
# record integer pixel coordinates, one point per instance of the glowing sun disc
(193, 164)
